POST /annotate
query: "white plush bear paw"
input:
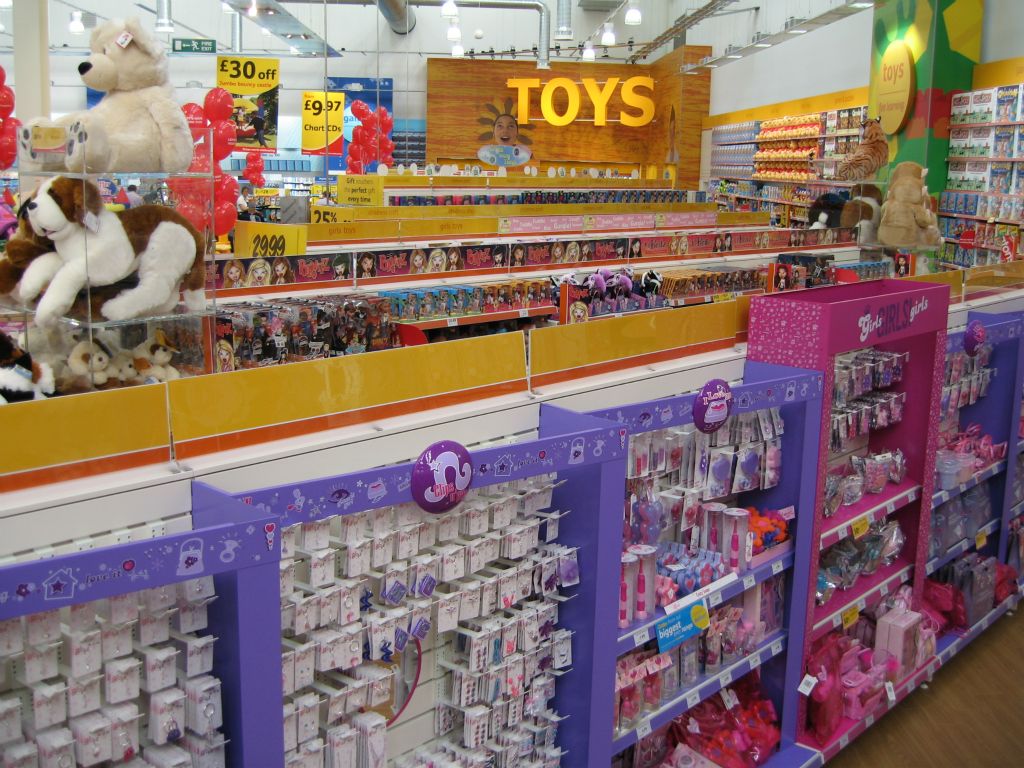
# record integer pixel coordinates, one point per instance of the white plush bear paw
(77, 137)
(87, 148)
(118, 308)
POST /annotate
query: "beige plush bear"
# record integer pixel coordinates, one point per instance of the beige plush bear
(907, 220)
(137, 126)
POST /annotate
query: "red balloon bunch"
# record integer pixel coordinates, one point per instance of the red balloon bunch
(370, 143)
(8, 125)
(254, 168)
(215, 135)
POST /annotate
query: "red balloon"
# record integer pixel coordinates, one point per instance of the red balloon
(360, 135)
(254, 161)
(6, 101)
(225, 188)
(225, 136)
(257, 179)
(355, 166)
(8, 195)
(196, 120)
(195, 212)
(224, 217)
(11, 125)
(355, 151)
(3, 76)
(218, 105)
(361, 110)
(8, 149)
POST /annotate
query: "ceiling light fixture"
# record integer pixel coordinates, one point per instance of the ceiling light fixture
(608, 36)
(253, 10)
(632, 17)
(733, 52)
(293, 50)
(588, 52)
(75, 26)
(449, 10)
(458, 52)
(862, 4)
(761, 40)
(454, 34)
(6, 3)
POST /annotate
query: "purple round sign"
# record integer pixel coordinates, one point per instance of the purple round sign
(441, 476)
(974, 337)
(712, 405)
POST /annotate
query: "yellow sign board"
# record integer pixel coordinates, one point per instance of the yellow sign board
(254, 239)
(323, 122)
(266, 192)
(328, 214)
(897, 78)
(245, 74)
(361, 190)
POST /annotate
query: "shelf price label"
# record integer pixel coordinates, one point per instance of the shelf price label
(980, 539)
(748, 581)
(777, 567)
(890, 693)
(641, 637)
(860, 526)
(850, 616)
(643, 729)
(254, 239)
(692, 699)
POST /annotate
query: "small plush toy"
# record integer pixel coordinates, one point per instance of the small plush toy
(124, 365)
(137, 126)
(22, 378)
(88, 366)
(907, 219)
(826, 211)
(153, 358)
(870, 155)
(96, 247)
(863, 212)
(772, 465)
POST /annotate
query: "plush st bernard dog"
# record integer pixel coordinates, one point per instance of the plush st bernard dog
(94, 246)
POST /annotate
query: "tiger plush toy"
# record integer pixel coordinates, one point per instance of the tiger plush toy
(871, 154)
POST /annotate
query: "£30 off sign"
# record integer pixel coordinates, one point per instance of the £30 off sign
(255, 239)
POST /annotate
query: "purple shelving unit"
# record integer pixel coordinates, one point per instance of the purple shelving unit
(798, 393)
(589, 456)
(808, 329)
(229, 542)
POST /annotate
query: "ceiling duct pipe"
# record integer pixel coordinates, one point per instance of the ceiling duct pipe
(543, 30)
(563, 20)
(236, 32)
(164, 23)
(398, 15)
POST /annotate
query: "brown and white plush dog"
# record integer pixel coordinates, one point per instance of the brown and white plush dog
(94, 246)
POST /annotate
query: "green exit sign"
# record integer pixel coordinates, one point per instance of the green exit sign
(193, 45)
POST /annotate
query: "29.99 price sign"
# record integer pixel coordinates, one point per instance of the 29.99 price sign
(323, 122)
(255, 239)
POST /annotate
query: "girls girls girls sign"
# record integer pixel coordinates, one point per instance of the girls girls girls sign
(889, 316)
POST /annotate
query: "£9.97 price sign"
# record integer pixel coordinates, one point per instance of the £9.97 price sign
(323, 122)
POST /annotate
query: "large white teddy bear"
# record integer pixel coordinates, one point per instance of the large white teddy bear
(137, 126)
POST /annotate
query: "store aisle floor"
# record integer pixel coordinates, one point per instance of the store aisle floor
(968, 716)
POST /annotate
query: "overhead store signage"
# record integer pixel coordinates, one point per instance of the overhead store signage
(254, 84)
(561, 98)
(323, 122)
(897, 86)
(193, 45)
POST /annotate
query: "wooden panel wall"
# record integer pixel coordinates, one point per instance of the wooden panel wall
(465, 95)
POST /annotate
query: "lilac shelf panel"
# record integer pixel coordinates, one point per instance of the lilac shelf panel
(642, 631)
(885, 580)
(872, 507)
(707, 687)
(990, 528)
(795, 756)
(941, 497)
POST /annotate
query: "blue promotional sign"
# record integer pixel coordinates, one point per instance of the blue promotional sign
(370, 91)
(689, 621)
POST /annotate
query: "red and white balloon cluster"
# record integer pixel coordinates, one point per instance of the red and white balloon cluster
(215, 137)
(370, 142)
(8, 125)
